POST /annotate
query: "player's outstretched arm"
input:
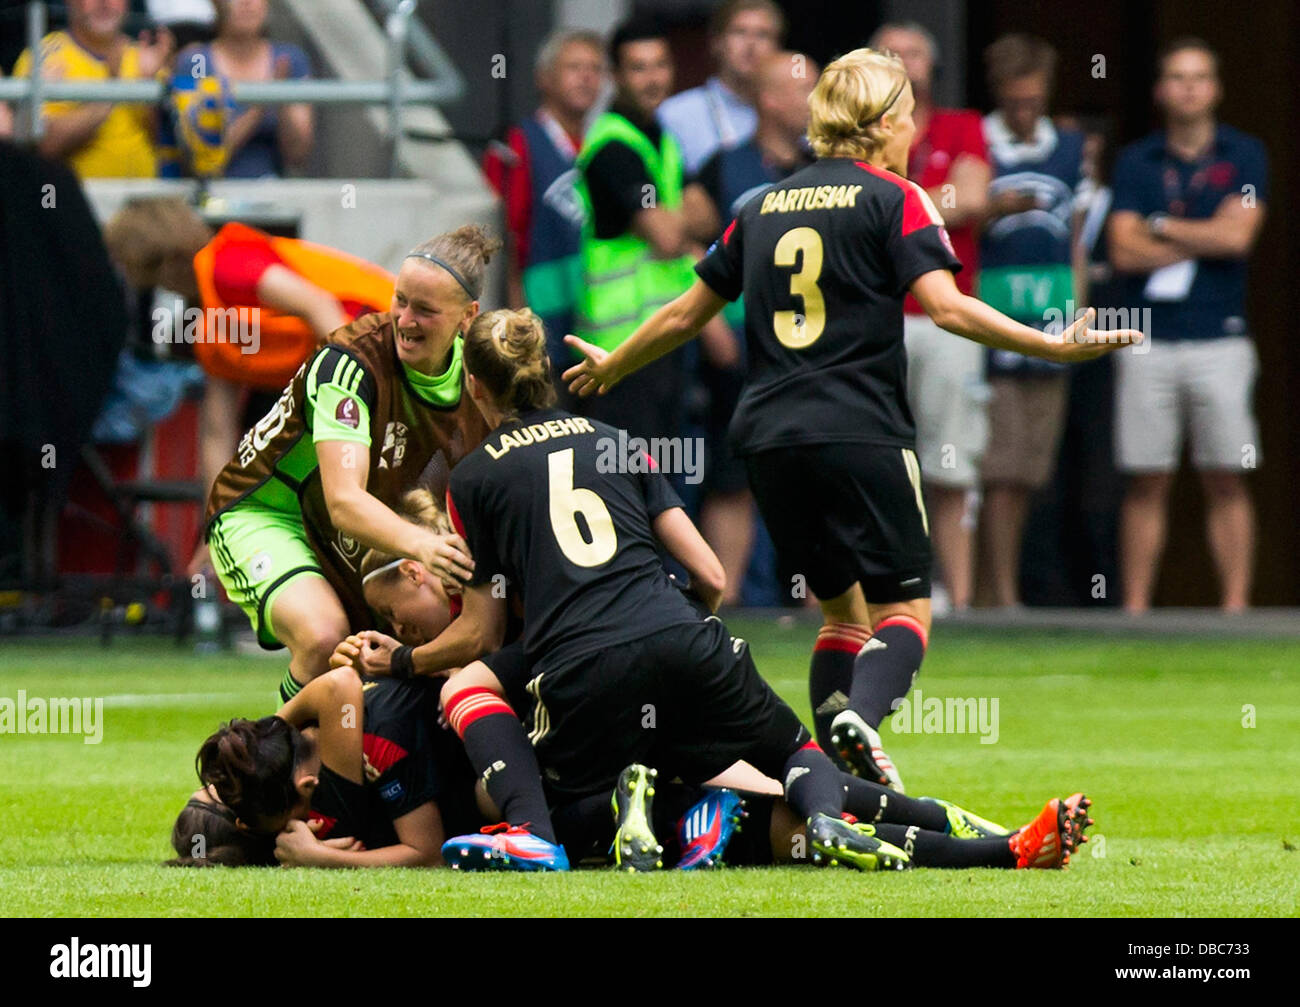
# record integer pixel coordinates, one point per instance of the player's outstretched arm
(955, 312)
(686, 545)
(668, 328)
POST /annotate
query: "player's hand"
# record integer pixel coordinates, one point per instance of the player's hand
(593, 374)
(448, 557)
(1079, 343)
(347, 654)
(376, 655)
(296, 845)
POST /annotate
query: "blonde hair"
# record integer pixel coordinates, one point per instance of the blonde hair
(147, 232)
(420, 508)
(506, 350)
(851, 96)
(467, 250)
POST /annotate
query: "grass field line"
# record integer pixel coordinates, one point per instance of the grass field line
(146, 699)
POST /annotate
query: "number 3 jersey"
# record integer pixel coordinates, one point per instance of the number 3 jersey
(823, 260)
(559, 508)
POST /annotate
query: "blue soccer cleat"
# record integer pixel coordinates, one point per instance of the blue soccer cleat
(503, 848)
(706, 829)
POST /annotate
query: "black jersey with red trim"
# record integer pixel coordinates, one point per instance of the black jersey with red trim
(560, 508)
(823, 260)
(407, 761)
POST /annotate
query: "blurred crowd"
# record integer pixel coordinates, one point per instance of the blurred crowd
(617, 182)
(221, 41)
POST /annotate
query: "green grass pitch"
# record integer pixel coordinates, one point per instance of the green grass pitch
(1197, 810)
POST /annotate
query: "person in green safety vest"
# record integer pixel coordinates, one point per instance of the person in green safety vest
(637, 250)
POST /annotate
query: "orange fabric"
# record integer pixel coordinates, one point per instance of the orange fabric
(285, 341)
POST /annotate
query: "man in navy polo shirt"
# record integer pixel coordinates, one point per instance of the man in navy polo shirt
(1188, 206)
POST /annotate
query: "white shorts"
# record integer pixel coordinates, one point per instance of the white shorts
(949, 399)
(1203, 386)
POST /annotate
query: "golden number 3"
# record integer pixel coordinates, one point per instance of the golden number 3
(792, 328)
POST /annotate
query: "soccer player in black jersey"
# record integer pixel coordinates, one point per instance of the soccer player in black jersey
(624, 669)
(824, 260)
(352, 772)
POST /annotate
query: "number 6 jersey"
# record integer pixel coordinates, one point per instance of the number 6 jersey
(560, 508)
(824, 259)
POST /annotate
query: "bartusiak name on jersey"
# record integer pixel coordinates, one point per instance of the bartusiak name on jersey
(810, 197)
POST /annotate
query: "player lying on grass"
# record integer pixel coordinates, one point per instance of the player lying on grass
(414, 601)
(352, 772)
(622, 668)
(824, 260)
(705, 826)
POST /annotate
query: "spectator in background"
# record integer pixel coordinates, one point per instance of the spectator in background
(534, 173)
(637, 251)
(99, 139)
(720, 112)
(1026, 272)
(189, 21)
(945, 374)
(264, 141)
(1188, 205)
(731, 177)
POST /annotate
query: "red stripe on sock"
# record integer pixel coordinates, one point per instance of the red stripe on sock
(906, 620)
(845, 636)
(464, 708)
(811, 746)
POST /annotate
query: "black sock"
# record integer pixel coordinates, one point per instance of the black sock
(830, 675)
(289, 687)
(883, 672)
(868, 801)
(503, 757)
(934, 849)
(585, 827)
(812, 783)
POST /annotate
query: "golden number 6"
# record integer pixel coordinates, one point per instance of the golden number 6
(792, 329)
(566, 503)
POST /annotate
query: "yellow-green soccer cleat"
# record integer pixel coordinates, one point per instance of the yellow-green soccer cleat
(962, 824)
(852, 844)
(635, 846)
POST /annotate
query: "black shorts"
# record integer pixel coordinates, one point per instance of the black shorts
(686, 700)
(513, 671)
(842, 514)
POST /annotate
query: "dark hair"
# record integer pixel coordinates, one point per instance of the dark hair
(222, 843)
(637, 28)
(1185, 42)
(506, 350)
(721, 19)
(1014, 56)
(250, 765)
